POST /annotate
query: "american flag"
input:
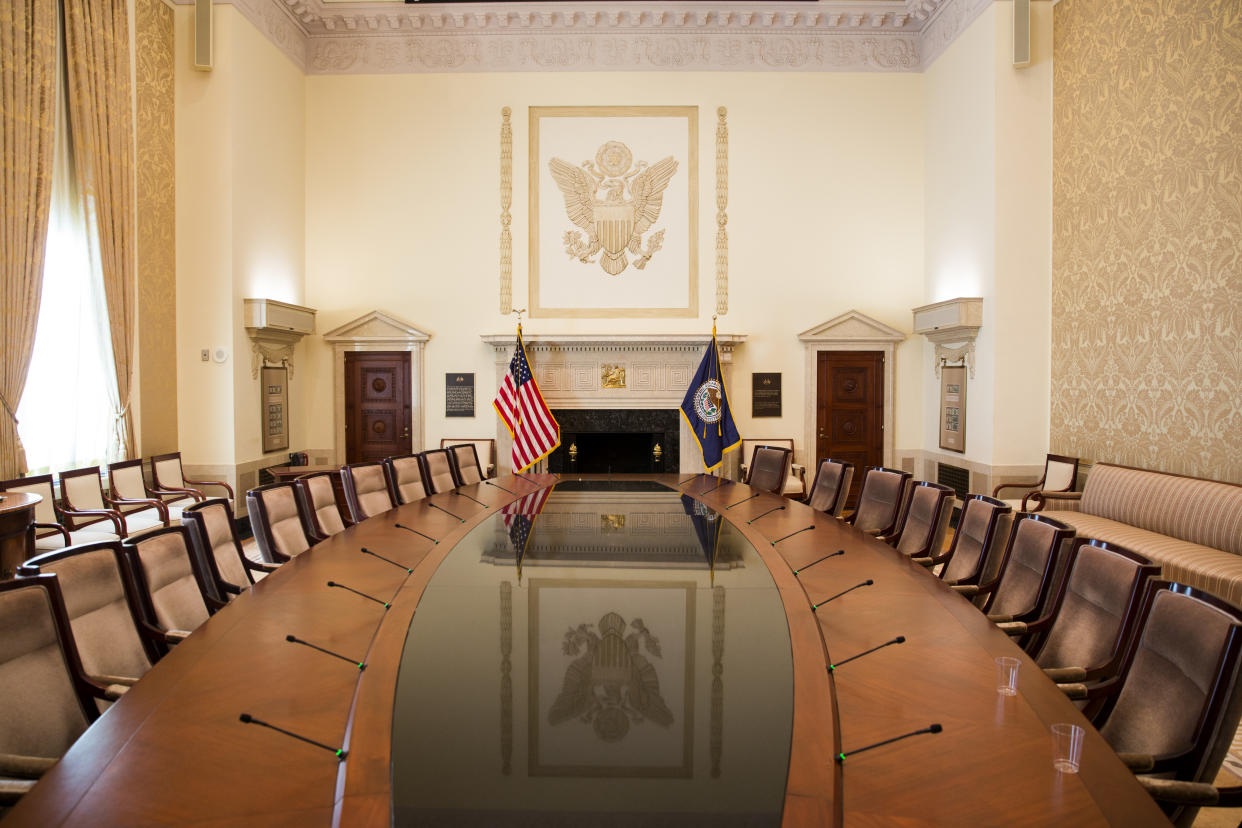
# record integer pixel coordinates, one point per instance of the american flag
(519, 517)
(522, 409)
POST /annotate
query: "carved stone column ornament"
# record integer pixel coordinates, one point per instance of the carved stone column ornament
(951, 326)
(722, 218)
(275, 328)
(506, 201)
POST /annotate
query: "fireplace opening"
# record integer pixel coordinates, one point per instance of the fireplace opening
(617, 441)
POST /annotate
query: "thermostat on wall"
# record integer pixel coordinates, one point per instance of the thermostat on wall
(220, 355)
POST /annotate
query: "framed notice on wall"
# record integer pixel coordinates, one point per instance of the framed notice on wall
(459, 395)
(765, 395)
(275, 400)
(953, 407)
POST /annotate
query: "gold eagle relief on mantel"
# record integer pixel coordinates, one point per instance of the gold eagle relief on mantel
(614, 202)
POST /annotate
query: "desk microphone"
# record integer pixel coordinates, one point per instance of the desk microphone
(901, 639)
(385, 604)
(415, 531)
(341, 753)
(446, 511)
(498, 486)
(791, 534)
(468, 497)
(293, 639)
(408, 571)
(527, 479)
(743, 500)
(932, 729)
(808, 566)
(693, 478)
(768, 512)
(815, 607)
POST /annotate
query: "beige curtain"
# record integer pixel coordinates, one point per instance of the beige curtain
(100, 112)
(28, 107)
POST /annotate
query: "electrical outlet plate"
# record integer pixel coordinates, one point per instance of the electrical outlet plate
(206, 354)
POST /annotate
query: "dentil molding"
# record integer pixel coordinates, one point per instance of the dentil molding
(367, 37)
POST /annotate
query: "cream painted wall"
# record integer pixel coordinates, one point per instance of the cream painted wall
(825, 215)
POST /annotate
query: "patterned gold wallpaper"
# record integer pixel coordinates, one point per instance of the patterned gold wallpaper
(1147, 234)
(157, 264)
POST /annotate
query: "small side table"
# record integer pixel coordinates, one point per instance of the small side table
(17, 532)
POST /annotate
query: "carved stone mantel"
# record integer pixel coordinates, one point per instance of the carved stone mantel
(569, 369)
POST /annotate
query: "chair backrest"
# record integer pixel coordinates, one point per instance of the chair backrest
(1029, 566)
(166, 472)
(769, 466)
(169, 582)
(1179, 694)
(406, 474)
(211, 524)
(748, 447)
(465, 464)
(319, 500)
(880, 500)
(44, 708)
(982, 528)
(126, 483)
(366, 489)
(1060, 473)
(278, 521)
(484, 449)
(437, 471)
(830, 486)
(82, 490)
(927, 520)
(102, 605)
(1095, 608)
(45, 509)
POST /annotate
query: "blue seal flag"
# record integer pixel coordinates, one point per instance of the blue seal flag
(707, 412)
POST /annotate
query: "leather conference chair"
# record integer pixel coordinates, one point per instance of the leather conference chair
(1173, 710)
(319, 502)
(831, 486)
(167, 477)
(1060, 475)
(280, 524)
(48, 703)
(82, 491)
(367, 490)
(406, 475)
(214, 535)
(103, 609)
(171, 586)
(794, 485)
(484, 449)
(126, 484)
(50, 532)
(465, 464)
(927, 520)
(982, 529)
(437, 471)
(1085, 633)
(768, 468)
(1028, 571)
(879, 501)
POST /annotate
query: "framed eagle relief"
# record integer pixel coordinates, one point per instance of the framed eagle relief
(614, 211)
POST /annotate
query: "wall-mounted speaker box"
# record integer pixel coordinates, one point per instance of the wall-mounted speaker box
(1021, 33)
(204, 46)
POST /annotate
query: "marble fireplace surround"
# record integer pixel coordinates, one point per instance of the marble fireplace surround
(658, 368)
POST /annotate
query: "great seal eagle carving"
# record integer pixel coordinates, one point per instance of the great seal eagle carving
(614, 223)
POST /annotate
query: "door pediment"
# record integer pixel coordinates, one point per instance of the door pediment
(852, 326)
(377, 327)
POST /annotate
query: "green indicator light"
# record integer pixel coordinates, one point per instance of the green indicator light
(841, 757)
(338, 753)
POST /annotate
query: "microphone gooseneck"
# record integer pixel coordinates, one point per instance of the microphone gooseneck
(868, 582)
(415, 531)
(384, 604)
(901, 639)
(293, 639)
(498, 486)
(408, 571)
(340, 753)
(743, 500)
(765, 514)
(468, 497)
(719, 482)
(935, 728)
(791, 534)
(446, 511)
(812, 563)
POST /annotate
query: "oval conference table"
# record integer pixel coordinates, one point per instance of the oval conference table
(589, 651)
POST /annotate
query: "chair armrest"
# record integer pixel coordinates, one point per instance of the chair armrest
(12, 790)
(104, 679)
(1010, 627)
(1065, 674)
(1046, 495)
(1178, 792)
(1137, 762)
(63, 531)
(1030, 484)
(259, 566)
(1074, 692)
(175, 636)
(219, 483)
(969, 590)
(24, 767)
(159, 505)
(198, 496)
(113, 692)
(111, 514)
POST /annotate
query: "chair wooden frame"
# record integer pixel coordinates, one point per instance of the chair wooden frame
(895, 519)
(792, 469)
(302, 490)
(1000, 509)
(163, 638)
(1035, 487)
(193, 515)
(1048, 581)
(455, 464)
(163, 487)
(786, 461)
(263, 528)
(352, 504)
(428, 483)
(44, 529)
(487, 469)
(115, 497)
(71, 511)
(390, 469)
(838, 500)
(925, 553)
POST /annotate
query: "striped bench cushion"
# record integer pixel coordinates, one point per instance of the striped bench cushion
(1213, 570)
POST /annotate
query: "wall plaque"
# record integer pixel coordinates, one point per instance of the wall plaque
(953, 408)
(459, 395)
(275, 397)
(765, 400)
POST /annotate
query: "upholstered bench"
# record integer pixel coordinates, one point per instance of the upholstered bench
(1191, 527)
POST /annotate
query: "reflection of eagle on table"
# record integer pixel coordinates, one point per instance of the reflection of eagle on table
(613, 224)
(611, 684)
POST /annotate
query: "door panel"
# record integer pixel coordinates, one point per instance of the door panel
(850, 411)
(377, 405)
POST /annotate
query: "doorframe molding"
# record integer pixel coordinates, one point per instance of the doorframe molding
(851, 331)
(377, 331)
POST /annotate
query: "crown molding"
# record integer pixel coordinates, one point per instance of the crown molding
(330, 37)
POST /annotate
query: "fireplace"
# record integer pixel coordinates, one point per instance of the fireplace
(617, 441)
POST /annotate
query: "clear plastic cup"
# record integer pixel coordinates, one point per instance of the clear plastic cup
(1066, 747)
(1007, 675)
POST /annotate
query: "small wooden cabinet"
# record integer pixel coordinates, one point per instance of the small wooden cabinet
(17, 532)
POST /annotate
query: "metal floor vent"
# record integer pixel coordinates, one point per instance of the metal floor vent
(955, 477)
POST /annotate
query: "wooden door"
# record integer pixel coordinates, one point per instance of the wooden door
(850, 411)
(377, 405)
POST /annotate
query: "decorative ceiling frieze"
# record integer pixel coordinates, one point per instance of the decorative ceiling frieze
(367, 37)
